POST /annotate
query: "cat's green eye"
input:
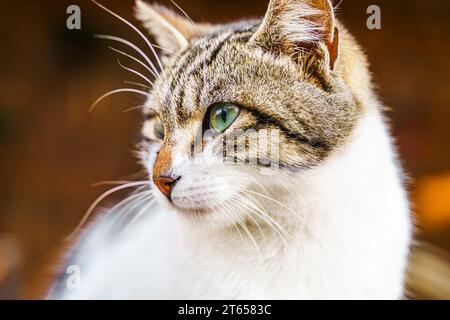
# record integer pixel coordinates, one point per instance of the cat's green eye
(154, 129)
(222, 116)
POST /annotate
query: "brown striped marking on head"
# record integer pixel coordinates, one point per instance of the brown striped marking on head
(286, 72)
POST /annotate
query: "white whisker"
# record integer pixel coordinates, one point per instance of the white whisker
(138, 84)
(249, 216)
(271, 222)
(136, 73)
(132, 206)
(246, 230)
(133, 108)
(100, 199)
(135, 29)
(103, 183)
(122, 215)
(220, 205)
(133, 46)
(295, 214)
(171, 52)
(134, 59)
(155, 45)
(241, 223)
(127, 200)
(230, 218)
(117, 91)
(141, 213)
(235, 218)
(233, 222)
(268, 198)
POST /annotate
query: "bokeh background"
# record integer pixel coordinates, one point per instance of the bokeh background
(52, 149)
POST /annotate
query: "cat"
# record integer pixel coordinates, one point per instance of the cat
(324, 216)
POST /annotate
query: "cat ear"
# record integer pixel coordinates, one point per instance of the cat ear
(172, 31)
(293, 26)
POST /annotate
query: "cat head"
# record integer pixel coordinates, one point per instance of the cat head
(239, 109)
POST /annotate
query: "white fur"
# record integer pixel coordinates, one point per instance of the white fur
(350, 242)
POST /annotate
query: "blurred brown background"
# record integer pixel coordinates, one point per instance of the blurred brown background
(52, 149)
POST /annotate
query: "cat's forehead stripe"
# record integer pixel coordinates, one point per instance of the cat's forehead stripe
(178, 78)
(195, 76)
(188, 73)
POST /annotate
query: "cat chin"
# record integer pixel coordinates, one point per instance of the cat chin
(211, 218)
(195, 213)
(204, 218)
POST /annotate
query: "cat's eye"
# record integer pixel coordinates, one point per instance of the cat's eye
(222, 116)
(154, 129)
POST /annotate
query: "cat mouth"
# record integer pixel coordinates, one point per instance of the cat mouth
(194, 210)
(193, 206)
(190, 208)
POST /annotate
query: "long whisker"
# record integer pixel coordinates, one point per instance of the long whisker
(171, 52)
(142, 198)
(246, 230)
(295, 214)
(131, 197)
(100, 199)
(134, 59)
(135, 29)
(282, 233)
(135, 72)
(117, 91)
(246, 207)
(127, 200)
(238, 203)
(268, 198)
(129, 207)
(249, 178)
(255, 181)
(133, 46)
(302, 219)
(237, 218)
(141, 212)
(104, 183)
(134, 83)
(220, 205)
(233, 222)
(133, 108)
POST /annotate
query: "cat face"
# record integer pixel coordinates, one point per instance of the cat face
(240, 108)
